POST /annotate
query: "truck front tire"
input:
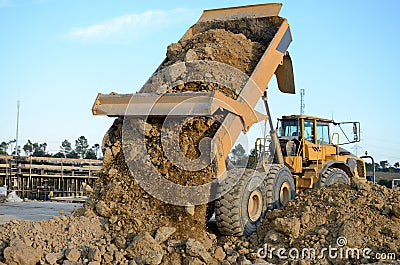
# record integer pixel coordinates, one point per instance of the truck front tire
(280, 187)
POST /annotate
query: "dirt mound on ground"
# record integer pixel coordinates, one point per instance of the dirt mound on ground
(70, 238)
(360, 216)
(117, 195)
(367, 215)
(129, 208)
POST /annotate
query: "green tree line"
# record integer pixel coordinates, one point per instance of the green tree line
(384, 166)
(82, 149)
(238, 157)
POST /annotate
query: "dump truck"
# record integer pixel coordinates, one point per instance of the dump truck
(239, 197)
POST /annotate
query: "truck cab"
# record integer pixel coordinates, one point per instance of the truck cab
(310, 148)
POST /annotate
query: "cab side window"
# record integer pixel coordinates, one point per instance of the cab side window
(323, 133)
(309, 130)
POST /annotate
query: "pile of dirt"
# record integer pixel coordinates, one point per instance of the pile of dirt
(117, 195)
(217, 45)
(366, 215)
(360, 216)
(72, 238)
(261, 30)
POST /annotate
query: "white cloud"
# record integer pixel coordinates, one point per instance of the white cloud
(128, 27)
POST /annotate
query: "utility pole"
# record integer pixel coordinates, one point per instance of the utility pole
(302, 101)
(356, 147)
(17, 133)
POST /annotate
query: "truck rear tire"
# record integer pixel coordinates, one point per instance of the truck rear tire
(280, 187)
(238, 212)
(331, 176)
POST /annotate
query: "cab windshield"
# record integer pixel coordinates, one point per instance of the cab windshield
(289, 128)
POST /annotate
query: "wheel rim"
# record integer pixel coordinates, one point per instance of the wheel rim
(254, 207)
(284, 194)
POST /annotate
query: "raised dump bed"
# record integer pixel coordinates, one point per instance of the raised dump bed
(179, 128)
(162, 95)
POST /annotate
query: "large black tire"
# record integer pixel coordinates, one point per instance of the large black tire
(280, 187)
(331, 176)
(239, 211)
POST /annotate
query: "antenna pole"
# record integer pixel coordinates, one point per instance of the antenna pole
(302, 101)
(17, 132)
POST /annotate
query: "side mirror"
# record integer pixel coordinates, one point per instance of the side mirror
(347, 129)
(355, 131)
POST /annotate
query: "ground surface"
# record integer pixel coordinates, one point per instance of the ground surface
(34, 211)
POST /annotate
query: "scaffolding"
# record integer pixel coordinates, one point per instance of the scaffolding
(38, 177)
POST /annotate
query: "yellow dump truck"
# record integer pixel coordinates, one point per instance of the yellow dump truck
(244, 195)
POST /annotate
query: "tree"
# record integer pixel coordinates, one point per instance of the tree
(39, 149)
(28, 148)
(81, 146)
(3, 148)
(90, 154)
(252, 162)
(96, 149)
(370, 167)
(396, 167)
(238, 156)
(10, 143)
(65, 148)
(73, 154)
(59, 155)
(384, 164)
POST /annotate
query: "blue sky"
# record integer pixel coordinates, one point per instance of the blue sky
(56, 55)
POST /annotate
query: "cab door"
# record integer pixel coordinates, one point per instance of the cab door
(312, 151)
(324, 140)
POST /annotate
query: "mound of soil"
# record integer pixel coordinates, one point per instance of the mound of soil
(360, 216)
(367, 215)
(117, 195)
(217, 45)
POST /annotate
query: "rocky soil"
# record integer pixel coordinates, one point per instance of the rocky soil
(367, 215)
